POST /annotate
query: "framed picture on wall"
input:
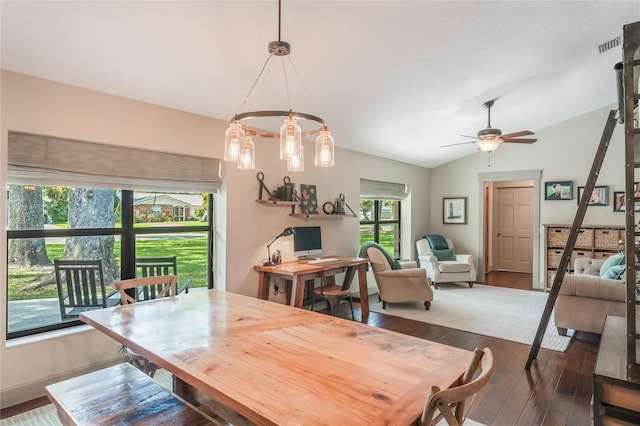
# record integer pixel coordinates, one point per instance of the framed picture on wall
(619, 202)
(454, 210)
(558, 190)
(599, 197)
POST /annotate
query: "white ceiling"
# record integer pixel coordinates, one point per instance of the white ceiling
(395, 79)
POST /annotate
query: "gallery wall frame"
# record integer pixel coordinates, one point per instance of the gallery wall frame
(599, 197)
(558, 190)
(454, 210)
(619, 203)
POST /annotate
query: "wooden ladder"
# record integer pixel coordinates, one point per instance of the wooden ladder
(573, 235)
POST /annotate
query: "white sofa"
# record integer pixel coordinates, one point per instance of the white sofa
(445, 271)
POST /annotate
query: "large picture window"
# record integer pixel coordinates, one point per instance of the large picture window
(80, 215)
(46, 224)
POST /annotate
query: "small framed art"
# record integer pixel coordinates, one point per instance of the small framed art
(558, 190)
(619, 204)
(599, 197)
(454, 210)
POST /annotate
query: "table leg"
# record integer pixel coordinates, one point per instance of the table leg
(264, 281)
(364, 293)
(297, 291)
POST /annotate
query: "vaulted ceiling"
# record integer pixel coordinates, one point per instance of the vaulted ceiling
(396, 79)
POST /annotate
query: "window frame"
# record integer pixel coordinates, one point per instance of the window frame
(377, 222)
(128, 233)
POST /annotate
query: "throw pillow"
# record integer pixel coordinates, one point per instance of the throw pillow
(444, 254)
(616, 259)
(615, 272)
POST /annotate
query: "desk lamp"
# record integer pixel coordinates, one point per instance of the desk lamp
(285, 232)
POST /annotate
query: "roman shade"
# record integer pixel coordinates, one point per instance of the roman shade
(45, 160)
(379, 190)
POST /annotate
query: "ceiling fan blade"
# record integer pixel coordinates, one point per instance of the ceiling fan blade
(517, 134)
(455, 144)
(520, 140)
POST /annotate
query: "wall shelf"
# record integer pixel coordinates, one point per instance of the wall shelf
(320, 216)
(277, 202)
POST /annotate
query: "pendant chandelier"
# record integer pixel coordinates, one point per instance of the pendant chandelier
(238, 143)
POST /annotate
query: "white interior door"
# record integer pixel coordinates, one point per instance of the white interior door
(514, 245)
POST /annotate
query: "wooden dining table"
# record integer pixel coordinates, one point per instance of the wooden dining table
(251, 361)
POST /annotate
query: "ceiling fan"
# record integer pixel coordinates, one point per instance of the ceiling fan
(490, 139)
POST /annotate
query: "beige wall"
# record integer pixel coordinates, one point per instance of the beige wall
(242, 227)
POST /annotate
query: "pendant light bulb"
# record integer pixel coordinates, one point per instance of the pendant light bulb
(296, 164)
(232, 140)
(324, 149)
(247, 154)
(290, 139)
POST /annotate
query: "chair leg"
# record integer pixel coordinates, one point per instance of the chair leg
(562, 331)
(427, 305)
(384, 305)
(435, 284)
(470, 284)
(353, 316)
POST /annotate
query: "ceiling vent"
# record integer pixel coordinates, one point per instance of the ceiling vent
(608, 45)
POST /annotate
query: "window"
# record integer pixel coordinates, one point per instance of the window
(77, 200)
(46, 223)
(380, 223)
(380, 213)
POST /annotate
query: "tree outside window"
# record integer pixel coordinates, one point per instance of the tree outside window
(380, 223)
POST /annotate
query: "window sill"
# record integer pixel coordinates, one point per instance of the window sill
(21, 341)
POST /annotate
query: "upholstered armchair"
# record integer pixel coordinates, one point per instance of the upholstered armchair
(405, 283)
(442, 263)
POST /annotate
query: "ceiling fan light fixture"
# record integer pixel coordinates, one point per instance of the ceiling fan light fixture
(489, 145)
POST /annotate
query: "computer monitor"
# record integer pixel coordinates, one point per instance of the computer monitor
(307, 241)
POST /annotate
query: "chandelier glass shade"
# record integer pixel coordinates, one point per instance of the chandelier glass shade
(238, 145)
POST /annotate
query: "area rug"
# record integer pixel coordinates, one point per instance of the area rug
(491, 311)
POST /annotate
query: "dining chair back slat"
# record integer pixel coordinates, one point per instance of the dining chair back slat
(80, 286)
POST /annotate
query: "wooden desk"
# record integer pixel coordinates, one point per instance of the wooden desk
(274, 364)
(299, 272)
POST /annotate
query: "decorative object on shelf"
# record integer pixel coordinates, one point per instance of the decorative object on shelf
(328, 208)
(275, 260)
(599, 196)
(339, 208)
(454, 210)
(238, 144)
(263, 187)
(308, 199)
(285, 192)
(558, 190)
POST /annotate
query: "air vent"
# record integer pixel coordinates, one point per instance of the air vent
(608, 45)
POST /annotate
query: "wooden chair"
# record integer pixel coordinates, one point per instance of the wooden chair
(334, 294)
(154, 266)
(143, 289)
(80, 286)
(450, 402)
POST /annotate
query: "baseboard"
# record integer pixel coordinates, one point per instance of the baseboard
(30, 391)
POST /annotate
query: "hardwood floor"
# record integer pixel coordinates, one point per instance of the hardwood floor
(555, 391)
(517, 280)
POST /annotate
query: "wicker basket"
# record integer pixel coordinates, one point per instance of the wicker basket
(553, 258)
(557, 237)
(579, 253)
(602, 254)
(585, 238)
(607, 238)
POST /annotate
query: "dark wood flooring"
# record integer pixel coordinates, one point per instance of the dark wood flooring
(555, 391)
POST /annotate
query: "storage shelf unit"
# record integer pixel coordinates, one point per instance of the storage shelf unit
(594, 242)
